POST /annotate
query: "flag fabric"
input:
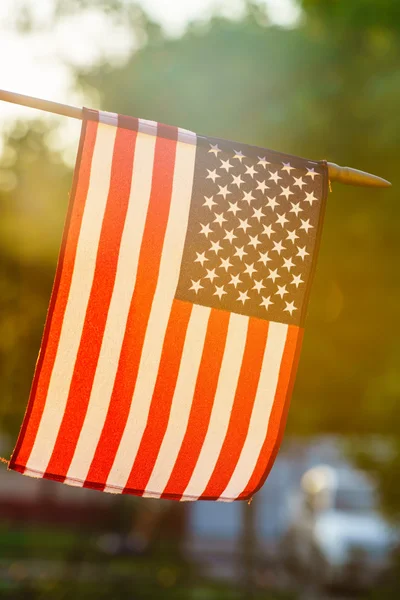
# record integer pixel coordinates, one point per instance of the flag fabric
(176, 319)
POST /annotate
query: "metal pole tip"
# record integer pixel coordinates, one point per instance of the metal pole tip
(350, 176)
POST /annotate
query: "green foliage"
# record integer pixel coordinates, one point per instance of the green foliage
(33, 201)
(357, 15)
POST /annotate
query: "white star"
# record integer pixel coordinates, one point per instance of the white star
(295, 208)
(237, 180)
(297, 280)
(266, 302)
(219, 218)
(211, 275)
(292, 236)
(290, 307)
(275, 177)
(225, 164)
(310, 197)
(243, 297)
(299, 181)
(225, 264)
(250, 171)
(311, 173)
(233, 207)
(281, 291)
(235, 280)
(196, 285)
(230, 236)
(250, 269)
(262, 186)
(288, 263)
(215, 247)
(286, 192)
(272, 203)
(258, 285)
(287, 167)
(282, 220)
(239, 155)
(264, 258)
(306, 225)
(262, 161)
(214, 149)
(257, 214)
(268, 231)
(219, 291)
(248, 197)
(209, 202)
(212, 175)
(206, 229)
(302, 252)
(240, 252)
(244, 224)
(278, 247)
(223, 191)
(254, 241)
(273, 275)
(201, 258)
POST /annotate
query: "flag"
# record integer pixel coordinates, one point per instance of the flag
(175, 323)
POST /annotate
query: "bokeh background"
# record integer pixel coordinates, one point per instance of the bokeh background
(317, 78)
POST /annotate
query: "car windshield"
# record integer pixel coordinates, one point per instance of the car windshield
(354, 499)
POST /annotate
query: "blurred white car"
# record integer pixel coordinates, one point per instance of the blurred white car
(336, 534)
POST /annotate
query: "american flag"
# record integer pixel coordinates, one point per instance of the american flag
(176, 319)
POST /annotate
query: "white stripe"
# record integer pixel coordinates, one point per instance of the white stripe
(222, 407)
(181, 402)
(81, 284)
(158, 320)
(184, 135)
(125, 279)
(149, 127)
(108, 118)
(260, 415)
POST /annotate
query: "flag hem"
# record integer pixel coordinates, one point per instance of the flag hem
(118, 489)
(317, 245)
(169, 132)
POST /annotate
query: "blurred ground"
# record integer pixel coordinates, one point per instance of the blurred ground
(55, 543)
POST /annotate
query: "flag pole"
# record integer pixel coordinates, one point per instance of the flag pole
(346, 175)
(53, 107)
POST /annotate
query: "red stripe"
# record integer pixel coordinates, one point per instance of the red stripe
(59, 299)
(280, 408)
(139, 312)
(246, 390)
(99, 302)
(162, 397)
(202, 403)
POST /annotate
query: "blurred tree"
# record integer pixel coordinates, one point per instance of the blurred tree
(34, 187)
